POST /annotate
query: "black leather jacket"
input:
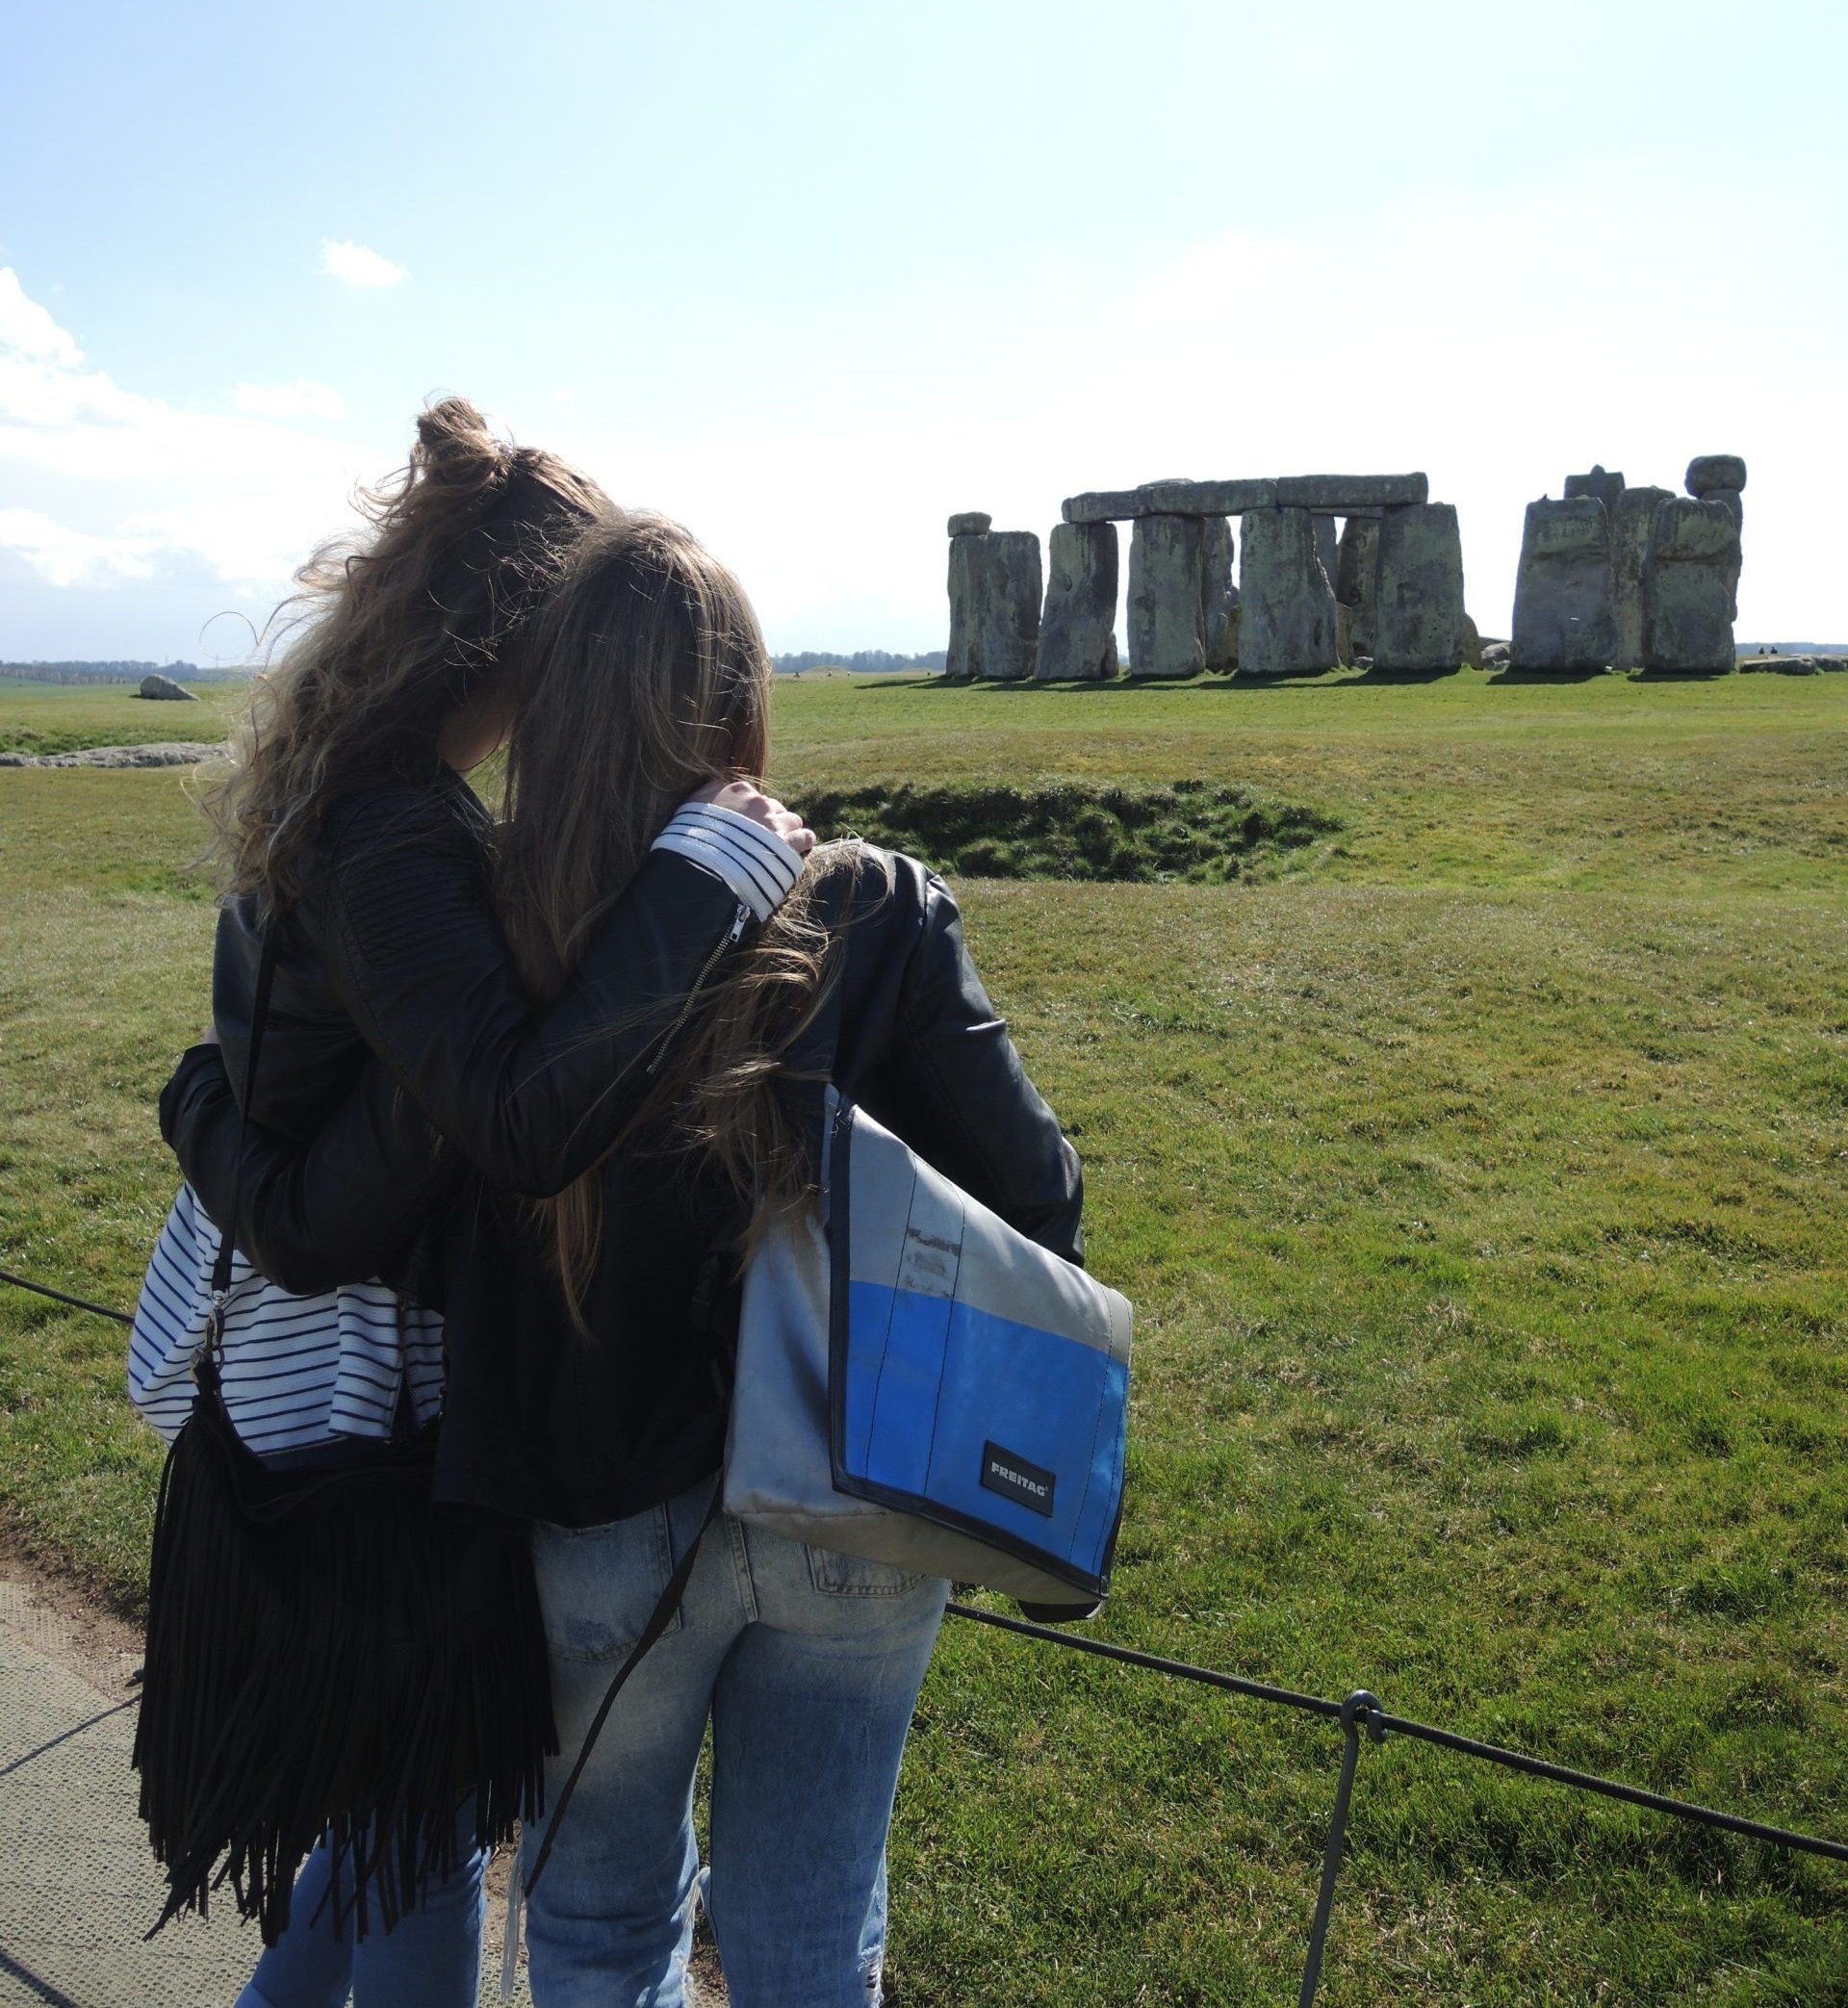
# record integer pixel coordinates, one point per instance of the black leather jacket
(538, 1421)
(393, 950)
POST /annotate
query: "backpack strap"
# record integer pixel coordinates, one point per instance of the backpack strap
(211, 1360)
(658, 1620)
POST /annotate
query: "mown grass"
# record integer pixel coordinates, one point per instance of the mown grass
(1479, 1182)
(64, 718)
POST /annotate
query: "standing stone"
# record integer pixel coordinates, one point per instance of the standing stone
(1707, 472)
(1328, 549)
(1078, 629)
(1606, 487)
(1694, 553)
(1420, 623)
(1286, 604)
(1562, 593)
(1167, 632)
(1733, 504)
(1471, 643)
(1358, 581)
(1007, 629)
(971, 522)
(994, 604)
(1631, 526)
(966, 587)
(1218, 596)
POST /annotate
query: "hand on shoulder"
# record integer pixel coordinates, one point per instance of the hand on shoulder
(745, 798)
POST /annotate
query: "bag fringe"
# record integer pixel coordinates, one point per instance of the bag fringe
(331, 1658)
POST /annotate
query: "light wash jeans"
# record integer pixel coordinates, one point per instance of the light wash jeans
(431, 1958)
(809, 1665)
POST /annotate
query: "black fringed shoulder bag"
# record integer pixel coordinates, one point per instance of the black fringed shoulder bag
(328, 1655)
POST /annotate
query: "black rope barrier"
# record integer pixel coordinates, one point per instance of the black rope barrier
(1360, 1713)
(80, 1303)
(1379, 1724)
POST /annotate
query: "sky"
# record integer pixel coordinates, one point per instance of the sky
(813, 276)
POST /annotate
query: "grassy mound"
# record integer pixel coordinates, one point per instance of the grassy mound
(1193, 832)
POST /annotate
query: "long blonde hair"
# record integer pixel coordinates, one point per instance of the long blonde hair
(392, 631)
(648, 677)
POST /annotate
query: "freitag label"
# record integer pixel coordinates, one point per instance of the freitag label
(1015, 1477)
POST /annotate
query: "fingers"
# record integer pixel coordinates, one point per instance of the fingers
(746, 798)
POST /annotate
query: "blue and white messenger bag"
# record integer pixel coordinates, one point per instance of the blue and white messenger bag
(918, 1383)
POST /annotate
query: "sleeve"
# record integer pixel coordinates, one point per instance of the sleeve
(530, 1095)
(341, 1206)
(970, 1107)
(755, 863)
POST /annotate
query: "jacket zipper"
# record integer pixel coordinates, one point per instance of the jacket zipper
(739, 922)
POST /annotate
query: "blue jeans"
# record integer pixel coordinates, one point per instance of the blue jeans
(431, 1958)
(808, 1665)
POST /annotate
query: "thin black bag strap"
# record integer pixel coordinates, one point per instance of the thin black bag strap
(658, 1620)
(222, 1265)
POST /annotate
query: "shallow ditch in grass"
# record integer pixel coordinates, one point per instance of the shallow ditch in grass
(1193, 833)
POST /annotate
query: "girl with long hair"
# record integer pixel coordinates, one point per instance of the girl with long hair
(589, 1334)
(350, 842)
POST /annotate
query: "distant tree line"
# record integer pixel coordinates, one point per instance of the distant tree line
(115, 671)
(867, 661)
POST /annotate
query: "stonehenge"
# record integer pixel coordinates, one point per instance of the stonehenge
(1419, 624)
(1303, 599)
(1357, 580)
(1166, 596)
(1693, 558)
(994, 599)
(1218, 596)
(1562, 592)
(1286, 604)
(1078, 629)
(1631, 526)
(1348, 568)
(1622, 578)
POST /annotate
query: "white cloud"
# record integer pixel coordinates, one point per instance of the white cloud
(66, 557)
(353, 265)
(124, 487)
(289, 400)
(1498, 342)
(26, 328)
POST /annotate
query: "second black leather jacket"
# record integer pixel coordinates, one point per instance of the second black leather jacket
(538, 1421)
(393, 949)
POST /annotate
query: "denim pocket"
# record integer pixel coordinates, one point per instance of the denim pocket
(598, 1585)
(848, 1576)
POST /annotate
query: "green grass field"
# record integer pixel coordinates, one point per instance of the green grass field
(1477, 1168)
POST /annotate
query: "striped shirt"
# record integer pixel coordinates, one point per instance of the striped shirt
(755, 863)
(298, 1370)
(303, 1370)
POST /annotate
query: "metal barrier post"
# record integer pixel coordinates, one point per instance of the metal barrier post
(1358, 1704)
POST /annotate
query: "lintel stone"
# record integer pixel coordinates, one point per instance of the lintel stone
(1338, 494)
(1206, 498)
(1102, 505)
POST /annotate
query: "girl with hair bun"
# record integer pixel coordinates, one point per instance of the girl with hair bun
(589, 1335)
(348, 838)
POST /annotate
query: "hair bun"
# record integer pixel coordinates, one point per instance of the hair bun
(456, 448)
